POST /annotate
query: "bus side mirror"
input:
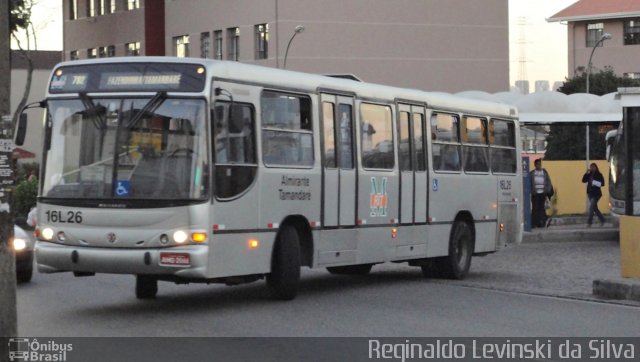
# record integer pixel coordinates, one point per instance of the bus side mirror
(21, 131)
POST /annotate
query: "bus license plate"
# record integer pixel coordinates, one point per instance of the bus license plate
(175, 259)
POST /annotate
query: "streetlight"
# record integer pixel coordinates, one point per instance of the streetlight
(604, 37)
(297, 30)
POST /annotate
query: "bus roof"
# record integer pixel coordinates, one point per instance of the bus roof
(232, 70)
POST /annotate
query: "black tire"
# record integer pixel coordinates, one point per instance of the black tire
(24, 275)
(455, 265)
(362, 269)
(284, 278)
(146, 287)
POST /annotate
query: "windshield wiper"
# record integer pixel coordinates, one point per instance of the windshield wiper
(150, 107)
(92, 111)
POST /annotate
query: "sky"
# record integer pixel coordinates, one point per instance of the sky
(538, 49)
(542, 45)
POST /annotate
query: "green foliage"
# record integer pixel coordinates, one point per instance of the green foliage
(20, 14)
(24, 196)
(25, 169)
(600, 82)
(567, 141)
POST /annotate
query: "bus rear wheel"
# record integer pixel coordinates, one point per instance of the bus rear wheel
(455, 265)
(362, 269)
(146, 287)
(284, 278)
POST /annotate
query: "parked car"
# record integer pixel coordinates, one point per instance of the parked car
(22, 245)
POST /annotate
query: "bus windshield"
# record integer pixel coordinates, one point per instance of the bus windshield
(126, 148)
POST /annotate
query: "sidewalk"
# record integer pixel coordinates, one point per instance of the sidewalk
(574, 229)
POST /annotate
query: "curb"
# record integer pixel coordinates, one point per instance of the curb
(571, 234)
(617, 290)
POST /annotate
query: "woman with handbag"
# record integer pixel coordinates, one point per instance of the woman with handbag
(594, 180)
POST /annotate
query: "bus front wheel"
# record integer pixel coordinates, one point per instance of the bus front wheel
(285, 265)
(146, 287)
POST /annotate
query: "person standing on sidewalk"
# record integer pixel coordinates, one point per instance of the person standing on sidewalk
(541, 189)
(594, 180)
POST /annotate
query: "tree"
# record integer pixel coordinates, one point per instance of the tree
(567, 142)
(21, 20)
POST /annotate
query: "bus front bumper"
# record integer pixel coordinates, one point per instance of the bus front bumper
(184, 261)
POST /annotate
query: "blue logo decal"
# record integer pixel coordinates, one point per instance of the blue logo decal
(434, 184)
(123, 188)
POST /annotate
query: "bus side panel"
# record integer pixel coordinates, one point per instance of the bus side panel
(232, 255)
(452, 194)
(337, 247)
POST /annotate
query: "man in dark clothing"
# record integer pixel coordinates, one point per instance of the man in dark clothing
(594, 180)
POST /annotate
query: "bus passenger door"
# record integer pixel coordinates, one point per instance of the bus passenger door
(339, 182)
(405, 160)
(412, 165)
(421, 182)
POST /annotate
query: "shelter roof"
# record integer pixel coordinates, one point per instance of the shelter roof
(556, 107)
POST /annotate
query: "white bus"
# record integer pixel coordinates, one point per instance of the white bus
(194, 170)
(618, 155)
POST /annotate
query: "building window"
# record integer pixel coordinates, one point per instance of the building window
(217, 46)
(103, 7)
(73, 9)
(111, 51)
(594, 33)
(632, 75)
(73, 55)
(233, 39)
(262, 41)
(205, 45)
(132, 49)
(91, 8)
(632, 32)
(102, 52)
(112, 6)
(92, 53)
(133, 4)
(181, 46)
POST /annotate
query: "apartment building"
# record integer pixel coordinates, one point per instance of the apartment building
(588, 20)
(439, 45)
(43, 63)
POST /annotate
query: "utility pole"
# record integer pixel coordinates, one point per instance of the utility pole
(8, 314)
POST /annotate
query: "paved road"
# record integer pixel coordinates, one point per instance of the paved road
(393, 301)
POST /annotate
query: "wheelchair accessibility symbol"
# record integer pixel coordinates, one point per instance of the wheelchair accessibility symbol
(123, 188)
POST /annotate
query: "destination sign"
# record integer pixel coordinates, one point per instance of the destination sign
(113, 77)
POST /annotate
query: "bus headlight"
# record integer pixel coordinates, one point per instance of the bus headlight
(180, 236)
(19, 244)
(47, 233)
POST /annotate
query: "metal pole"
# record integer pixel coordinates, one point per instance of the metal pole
(604, 37)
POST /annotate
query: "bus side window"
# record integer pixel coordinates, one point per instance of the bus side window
(287, 140)
(445, 146)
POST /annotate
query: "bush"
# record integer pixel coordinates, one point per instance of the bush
(24, 196)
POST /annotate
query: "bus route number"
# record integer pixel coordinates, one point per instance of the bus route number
(505, 184)
(69, 217)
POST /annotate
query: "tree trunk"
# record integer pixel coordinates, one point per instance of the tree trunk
(8, 316)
